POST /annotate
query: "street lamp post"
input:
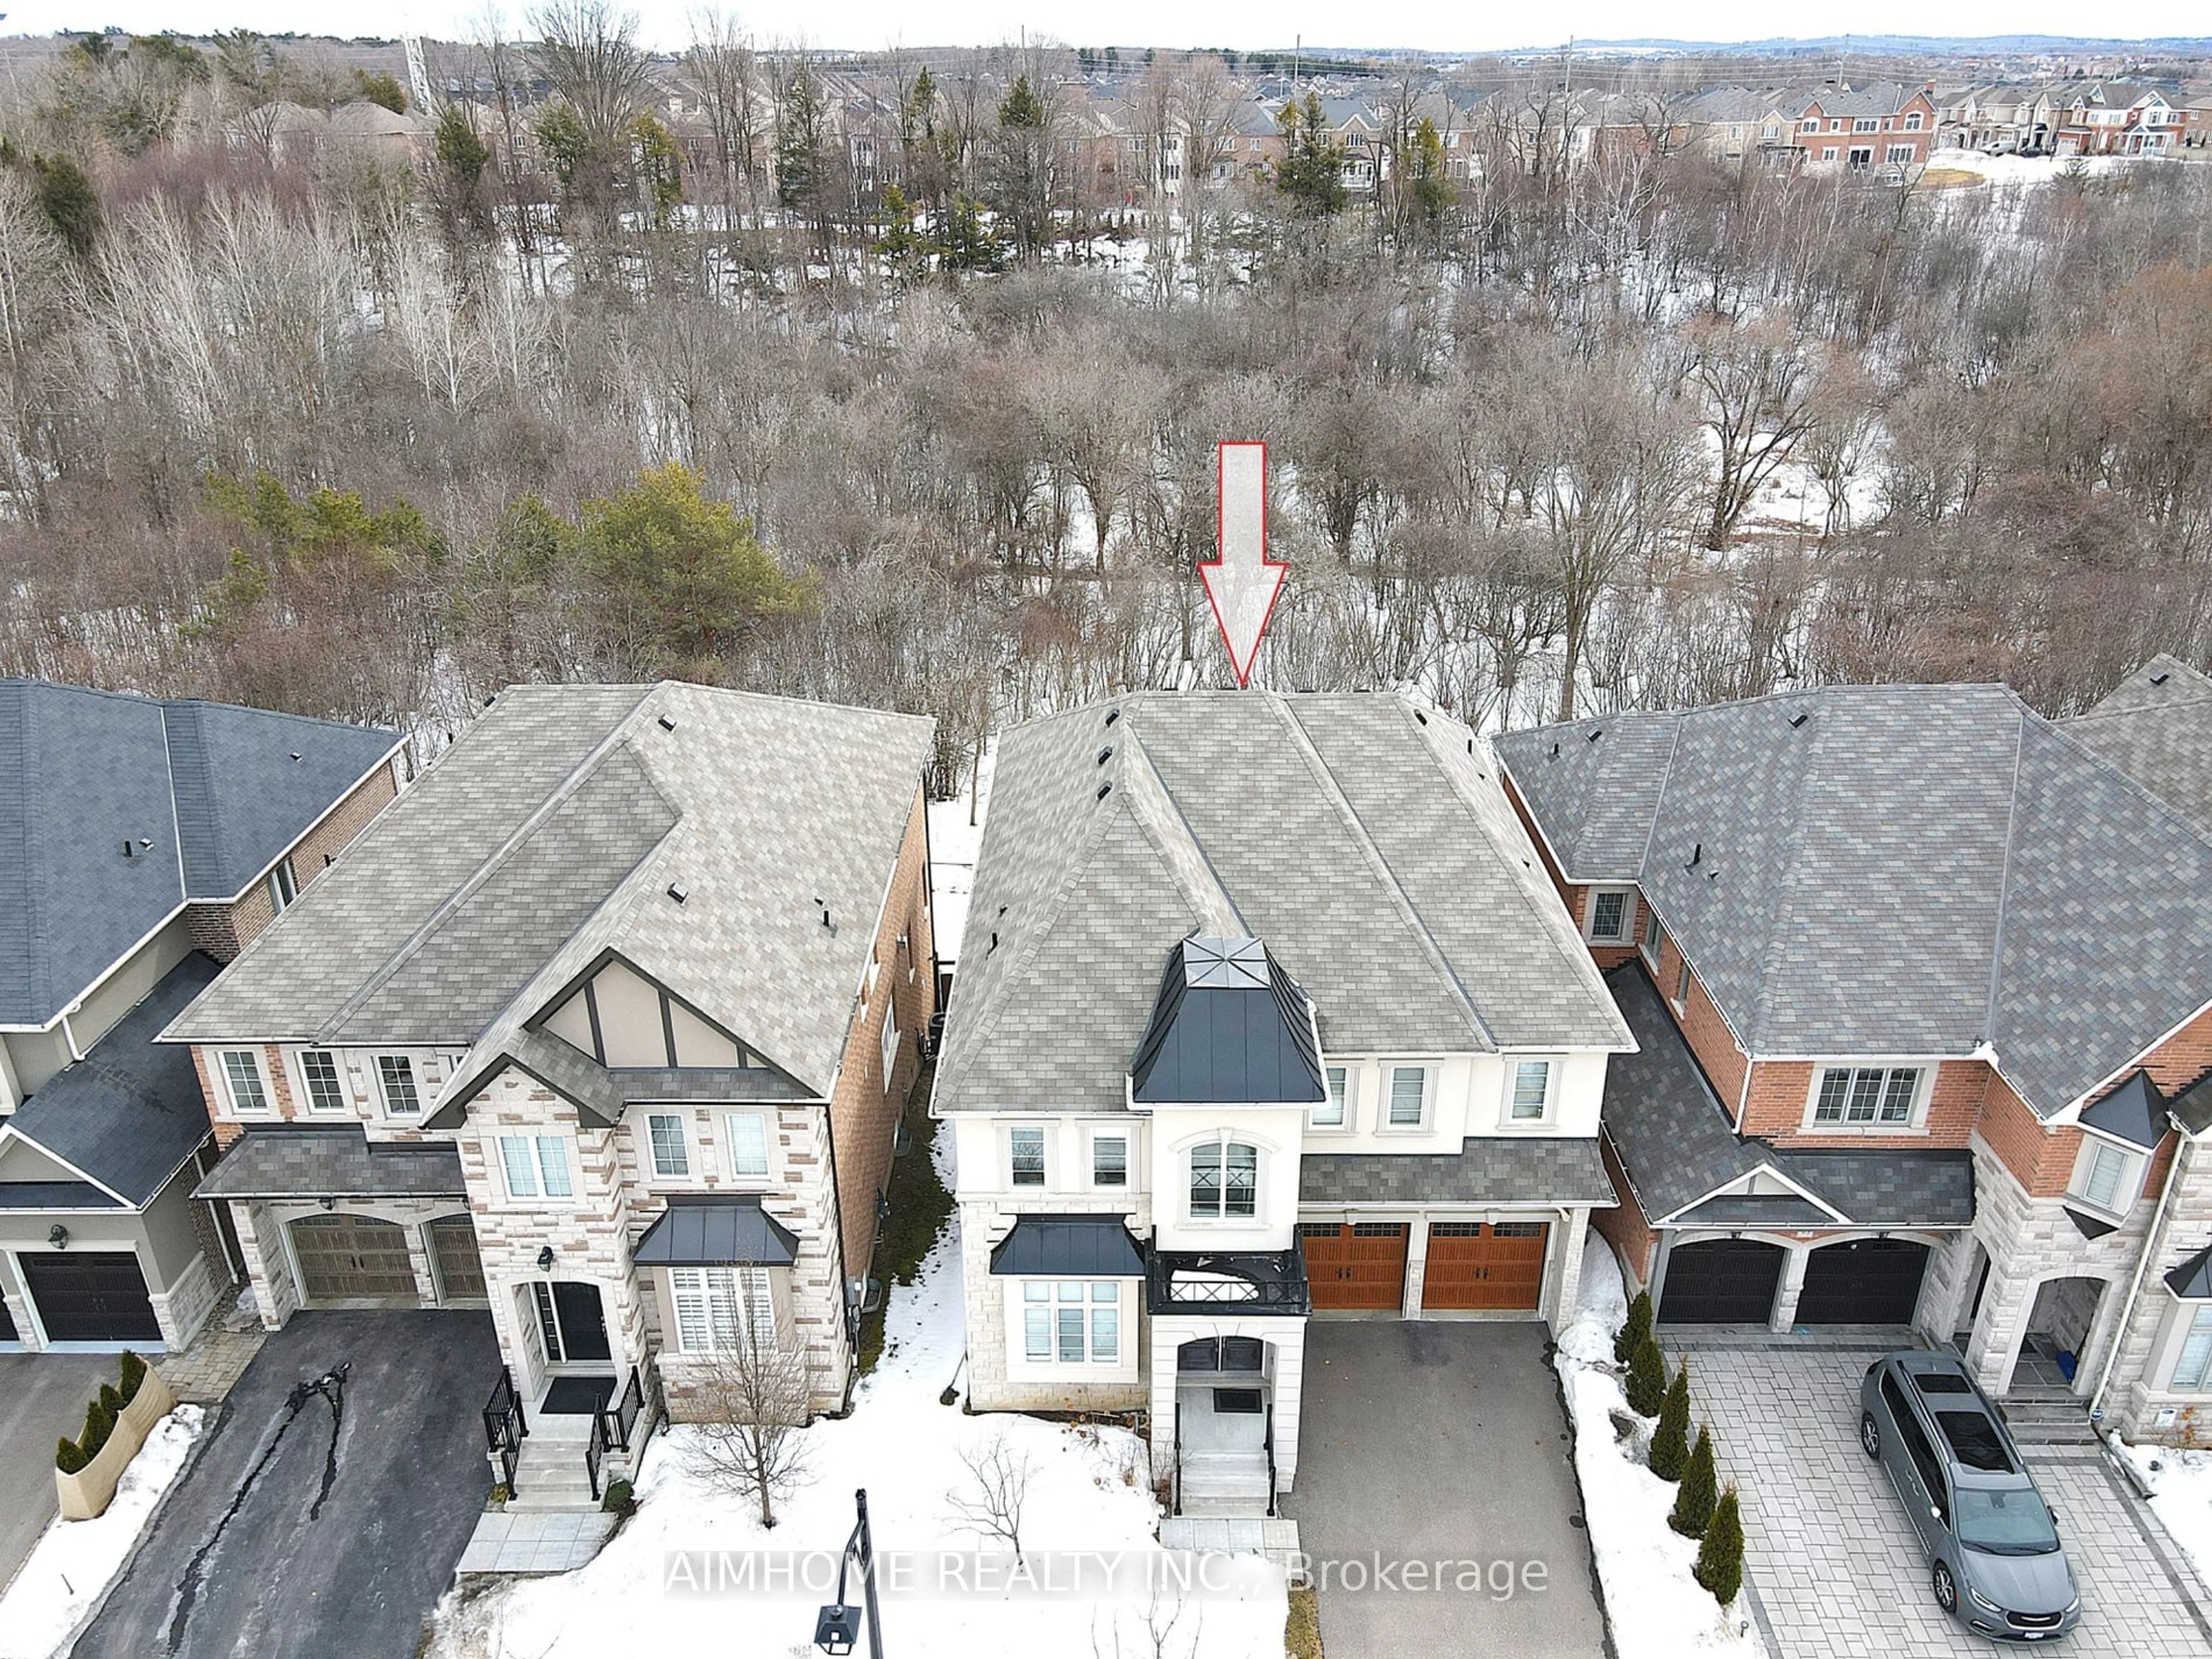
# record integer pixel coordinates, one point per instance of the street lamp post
(836, 1630)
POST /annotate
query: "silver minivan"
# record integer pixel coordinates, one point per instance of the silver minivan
(1993, 1541)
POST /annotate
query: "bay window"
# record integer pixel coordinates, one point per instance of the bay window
(2106, 1176)
(723, 1309)
(1072, 1321)
(2192, 1370)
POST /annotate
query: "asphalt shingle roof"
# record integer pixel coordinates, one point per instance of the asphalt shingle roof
(1486, 1170)
(1364, 842)
(2156, 726)
(333, 1163)
(130, 1112)
(1675, 1142)
(549, 836)
(1869, 870)
(207, 795)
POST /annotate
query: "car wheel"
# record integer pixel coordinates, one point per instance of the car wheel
(1870, 1435)
(1947, 1589)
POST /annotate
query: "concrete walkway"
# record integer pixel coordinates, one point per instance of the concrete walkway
(42, 1398)
(1432, 1442)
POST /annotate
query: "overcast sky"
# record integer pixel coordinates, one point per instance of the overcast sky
(1244, 24)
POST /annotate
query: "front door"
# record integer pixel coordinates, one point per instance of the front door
(1360, 1267)
(1480, 1265)
(582, 1325)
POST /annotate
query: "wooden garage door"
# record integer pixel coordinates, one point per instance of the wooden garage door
(461, 1268)
(1483, 1265)
(1864, 1281)
(1720, 1281)
(353, 1258)
(90, 1296)
(1362, 1265)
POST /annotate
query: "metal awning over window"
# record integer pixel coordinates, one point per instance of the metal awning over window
(1069, 1246)
(716, 1231)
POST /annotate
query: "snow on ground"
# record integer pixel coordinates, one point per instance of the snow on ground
(953, 844)
(2181, 1483)
(1090, 1492)
(74, 1560)
(2025, 169)
(1656, 1609)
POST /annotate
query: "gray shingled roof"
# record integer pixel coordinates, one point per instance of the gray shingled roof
(547, 837)
(130, 1112)
(208, 795)
(1486, 1170)
(1367, 844)
(1674, 1141)
(54, 1195)
(333, 1163)
(2156, 726)
(1917, 869)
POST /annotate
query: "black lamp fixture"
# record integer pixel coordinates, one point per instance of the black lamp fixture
(838, 1626)
(545, 1258)
(328, 1203)
(58, 1236)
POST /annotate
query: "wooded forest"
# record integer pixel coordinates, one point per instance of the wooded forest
(335, 433)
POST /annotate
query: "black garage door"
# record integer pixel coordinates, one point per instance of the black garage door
(1867, 1281)
(1720, 1281)
(91, 1296)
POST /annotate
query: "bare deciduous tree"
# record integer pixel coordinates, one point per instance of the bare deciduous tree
(751, 1401)
(997, 1491)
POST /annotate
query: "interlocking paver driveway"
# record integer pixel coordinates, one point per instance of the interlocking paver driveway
(1835, 1568)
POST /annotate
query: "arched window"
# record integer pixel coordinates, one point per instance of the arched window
(1225, 1180)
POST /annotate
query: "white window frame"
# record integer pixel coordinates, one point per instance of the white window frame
(1128, 1159)
(1037, 1308)
(284, 885)
(1043, 1183)
(1627, 931)
(1651, 939)
(1385, 1122)
(720, 1304)
(682, 1146)
(767, 1172)
(337, 1080)
(2127, 1182)
(1552, 1064)
(231, 1080)
(1900, 154)
(537, 1152)
(383, 1087)
(1341, 1085)
(1915, 1117)
(1222, 1141)
(890, 1040)
(2195, 1327)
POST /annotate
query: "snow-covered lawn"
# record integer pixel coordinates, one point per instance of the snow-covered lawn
(1090, 1492)
(73, 1562)
(2181, 1486)
(1656, 1609)
(953, 844)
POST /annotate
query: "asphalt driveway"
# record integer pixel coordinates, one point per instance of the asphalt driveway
(1834, 1568)
(1441, 1443)
(42, 1398)
(310, 1526)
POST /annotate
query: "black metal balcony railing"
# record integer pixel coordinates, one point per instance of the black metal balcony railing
(1205, 1281)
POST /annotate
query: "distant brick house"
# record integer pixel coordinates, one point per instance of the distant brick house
(1924, 1023)
(144, 841)
(1884, 126)
(604, 1025)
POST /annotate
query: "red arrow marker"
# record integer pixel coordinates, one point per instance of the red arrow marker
(1243, 583)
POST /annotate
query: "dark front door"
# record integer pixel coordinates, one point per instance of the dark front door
(1866, 1281)
(583, 1325)
(1720, 1281)
(91, 1296)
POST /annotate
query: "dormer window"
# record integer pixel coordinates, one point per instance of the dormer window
(1225, 1180)
(1866, 1098)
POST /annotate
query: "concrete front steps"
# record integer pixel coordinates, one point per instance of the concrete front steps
(2060, 1422)
(1224, 1483)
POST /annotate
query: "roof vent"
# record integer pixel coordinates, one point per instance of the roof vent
(2160, 678)
(678, 891)
(1696, 856)
(1798, 719)
(1104, 790)
(1596, 734)
(296, 754)
(130, 847)
(1113, 714)
(1555, 751)
(1106, 754)
(1419, 716)
(994, 944)
(666, 722)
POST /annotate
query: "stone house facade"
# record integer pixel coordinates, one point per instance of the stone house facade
(604, 1028)
(1922, 1041)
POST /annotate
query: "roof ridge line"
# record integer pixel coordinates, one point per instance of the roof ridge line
(555, 798)
(1658, 799)
(2004, 881)
(1372, 856)
(1167, 796)
(1776, 947)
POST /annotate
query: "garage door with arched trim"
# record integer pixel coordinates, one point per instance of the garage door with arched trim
(1863, 1281)
(354, 1258)
(1720, 1281)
